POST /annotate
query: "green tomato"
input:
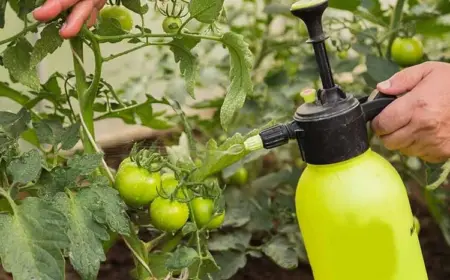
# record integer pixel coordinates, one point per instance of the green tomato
(407, 51)
(169, 183)
(168, 215)
(203, 211)
(171, 24)
(136, 185)
(343, 54)
(120, 14)
(240, 177)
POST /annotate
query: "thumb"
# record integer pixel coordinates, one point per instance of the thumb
(405, 80)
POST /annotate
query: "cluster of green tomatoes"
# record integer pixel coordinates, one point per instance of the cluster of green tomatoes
(170, 206)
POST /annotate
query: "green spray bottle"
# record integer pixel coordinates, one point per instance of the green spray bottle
(351, 204)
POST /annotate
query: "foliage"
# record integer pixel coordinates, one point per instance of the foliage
(262, 66)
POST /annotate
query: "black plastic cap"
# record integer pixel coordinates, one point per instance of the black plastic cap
(276, 136)
(311, 13)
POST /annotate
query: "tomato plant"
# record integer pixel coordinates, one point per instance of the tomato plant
(160, 199)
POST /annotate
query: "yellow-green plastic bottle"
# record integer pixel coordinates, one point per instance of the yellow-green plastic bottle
(357, 223)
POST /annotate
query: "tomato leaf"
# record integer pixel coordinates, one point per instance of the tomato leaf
(280, 250)
(236, 240)
(85, 233)
(16, 59)
(206, 11)
(181, 49)
(70, 136)
(207, 266)
(26, 168)
(180, 154)
(238, 208)
(229, 262)
(157, 263)
(15, 124)
(183, 257)
(32, 240)
(109, 27)
(49, 131)
(380, 69)
(49, 42)
(135, 6)
(241, 59)
(436, 202)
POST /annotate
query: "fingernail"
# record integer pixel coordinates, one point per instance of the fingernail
(385, 84)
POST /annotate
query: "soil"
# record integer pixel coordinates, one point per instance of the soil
(435, 249)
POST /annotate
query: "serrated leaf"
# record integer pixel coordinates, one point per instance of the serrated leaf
(206, 11)
(84, 164)
(16, 59)
(26, 168)
(135, 6)
(189, 227)
(241, 60)
(70, 136)
(157, 263)
(237, 240)
(181, 49)
(107, 207)
(109, 27)
(183, 257)
(15, 124)
(32, 240)
(207, 266)
(85, 234)
(49, 131)
(229, 262)
(238, 208)
(380, 69)
(49, 42)
(281, 252)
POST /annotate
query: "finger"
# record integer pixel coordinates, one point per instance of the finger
(92, 17)
(52, 8)
(405, 80)
(400, 139)
(99, 4)
(394, 117)
(414, 150)
(433, 159)
(79, 15)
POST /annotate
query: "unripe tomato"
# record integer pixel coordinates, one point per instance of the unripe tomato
(120, 14)
(407, 51)
(343, 54)
(203, 211)
(136, 185)
(169, 183)
(171, 24)
(240, 177)
(168, 215)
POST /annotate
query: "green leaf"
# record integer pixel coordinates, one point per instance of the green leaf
(109, 27)
(15, 124)
(49, 42)
(241, 59)
(85, 234)
(26, 168)
(281, 252)
(380, 69)
(49, 131)
(180, 154)
(189, 227)
(229, 262)
(107, 207)
(207, 266)
(183, 257)
(135, 6)
(16, 59)
(238, 208)
(237, 240)
(32, 240)
(181, 49)
(84, 164)
(206, 11)
(349, 5)
(157, 263)
(70, 136)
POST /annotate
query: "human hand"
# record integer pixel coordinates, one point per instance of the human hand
(83, 11)
(418, 122)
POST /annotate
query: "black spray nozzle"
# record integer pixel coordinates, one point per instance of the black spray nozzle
(273, 137)
(311, 12)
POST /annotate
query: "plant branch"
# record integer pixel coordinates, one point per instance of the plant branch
(151, 35)
(138, 257)
(395, 22)
(91, 92)
(113, 56)
(23, 32)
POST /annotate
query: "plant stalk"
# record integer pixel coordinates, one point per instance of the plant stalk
(395, 22)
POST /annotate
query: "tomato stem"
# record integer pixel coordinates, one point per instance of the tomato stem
(395, 22)
(114, 56)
